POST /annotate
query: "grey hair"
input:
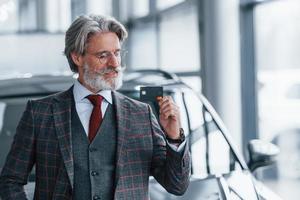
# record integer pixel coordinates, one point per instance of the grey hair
(83, 28)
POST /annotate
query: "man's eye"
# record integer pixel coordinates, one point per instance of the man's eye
(117, 53)
(102, 56)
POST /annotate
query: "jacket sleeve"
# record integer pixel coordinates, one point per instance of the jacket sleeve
(20, 159)
(170, 168)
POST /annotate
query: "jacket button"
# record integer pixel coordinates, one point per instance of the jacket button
(96, 197)
(94, 173)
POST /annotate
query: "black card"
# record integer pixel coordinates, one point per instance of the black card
(150, 95)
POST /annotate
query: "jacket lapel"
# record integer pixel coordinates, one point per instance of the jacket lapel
(123, 126)
(62, 120)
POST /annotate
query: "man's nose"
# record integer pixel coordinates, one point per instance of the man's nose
(114, 61)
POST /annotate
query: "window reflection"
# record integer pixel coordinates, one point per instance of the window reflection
(35, 16)
(103, 7)
(142, 53)
(278, 63)
(193, 81)
(163, 4)
(140, 8)
(8, 16)
(179, 39)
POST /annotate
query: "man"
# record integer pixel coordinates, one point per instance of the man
(75, 157)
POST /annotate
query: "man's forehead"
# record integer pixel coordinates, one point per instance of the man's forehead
(103, 41)
(104, 36)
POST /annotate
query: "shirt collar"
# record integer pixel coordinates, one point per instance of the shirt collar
(80, 92)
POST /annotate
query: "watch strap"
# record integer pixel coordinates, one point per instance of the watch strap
(180, 139)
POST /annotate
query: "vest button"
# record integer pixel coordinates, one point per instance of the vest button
(94, 173)
(96, 197)
(93, 149)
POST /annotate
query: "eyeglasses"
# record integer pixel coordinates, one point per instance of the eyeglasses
(106, 56)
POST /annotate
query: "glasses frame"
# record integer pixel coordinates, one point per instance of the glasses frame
(105, 56)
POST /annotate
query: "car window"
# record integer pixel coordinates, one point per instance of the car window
(211, 153)
(220, 156)
(10, 113)
(194, 109)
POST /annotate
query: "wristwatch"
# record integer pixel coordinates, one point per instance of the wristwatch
(180, 139)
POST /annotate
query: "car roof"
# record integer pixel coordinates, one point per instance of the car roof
(47, 84)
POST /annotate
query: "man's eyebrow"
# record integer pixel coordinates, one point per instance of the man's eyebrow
(101, 52)
(106, 51)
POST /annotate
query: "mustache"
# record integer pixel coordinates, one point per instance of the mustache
(109, 69)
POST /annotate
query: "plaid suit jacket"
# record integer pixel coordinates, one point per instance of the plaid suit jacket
(43, 139)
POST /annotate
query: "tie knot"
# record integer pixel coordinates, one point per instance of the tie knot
(96, 100)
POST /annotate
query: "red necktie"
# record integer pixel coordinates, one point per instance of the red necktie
(96, 116)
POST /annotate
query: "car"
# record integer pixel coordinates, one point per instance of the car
(218, 170)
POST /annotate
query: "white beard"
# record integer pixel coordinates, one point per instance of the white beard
(97, 81)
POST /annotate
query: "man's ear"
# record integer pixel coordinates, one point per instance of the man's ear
(77, 59)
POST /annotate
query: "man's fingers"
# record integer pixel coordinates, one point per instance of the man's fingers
(165, 102)
(164, 99)
(169, 108)
(168, 114)
(159, 98)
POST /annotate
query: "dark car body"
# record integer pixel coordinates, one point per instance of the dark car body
(218, 170)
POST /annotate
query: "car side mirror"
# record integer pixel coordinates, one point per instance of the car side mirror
(261, 154)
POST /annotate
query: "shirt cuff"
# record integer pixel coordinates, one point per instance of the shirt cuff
(177, 148)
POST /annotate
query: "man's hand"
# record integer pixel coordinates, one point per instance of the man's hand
(169, 117)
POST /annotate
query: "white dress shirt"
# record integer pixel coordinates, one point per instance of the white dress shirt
(84, 107)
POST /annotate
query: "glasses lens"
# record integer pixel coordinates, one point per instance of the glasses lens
(119, 55)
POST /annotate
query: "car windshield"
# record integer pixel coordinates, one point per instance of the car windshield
(211, 153)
